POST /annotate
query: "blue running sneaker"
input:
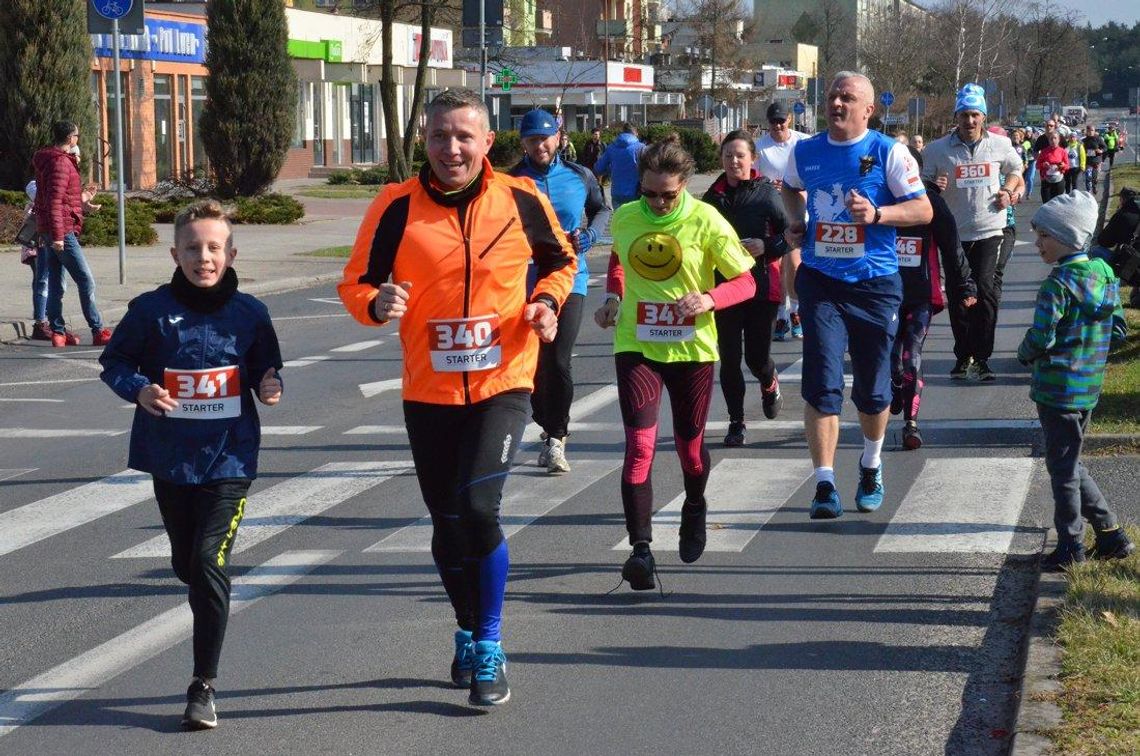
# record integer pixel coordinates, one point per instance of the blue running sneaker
(782, 330)
(869, 494)
(464, 662)
(825, 505)
(489, 682)
(797, 327)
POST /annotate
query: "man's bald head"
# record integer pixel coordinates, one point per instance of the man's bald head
(850, 104)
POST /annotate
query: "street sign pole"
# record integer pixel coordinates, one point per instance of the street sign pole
(120, 191)
(483, 50)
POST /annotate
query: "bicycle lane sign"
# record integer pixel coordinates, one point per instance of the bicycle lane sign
(112, 9)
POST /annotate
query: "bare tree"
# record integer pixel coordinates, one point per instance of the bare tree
(716, 27)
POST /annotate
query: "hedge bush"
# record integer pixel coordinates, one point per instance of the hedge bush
(270, 208)
(13, 197)
(11, 219)
(507, 149)
(101, 228)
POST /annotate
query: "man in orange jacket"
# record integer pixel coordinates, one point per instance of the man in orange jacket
(455, 242)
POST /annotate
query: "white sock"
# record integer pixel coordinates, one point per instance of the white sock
(871, 449)
(795, 305)
(825, 475)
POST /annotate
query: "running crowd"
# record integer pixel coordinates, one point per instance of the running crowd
(848, 240)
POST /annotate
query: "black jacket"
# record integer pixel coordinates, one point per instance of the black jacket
(1122, 226)
(754, 209)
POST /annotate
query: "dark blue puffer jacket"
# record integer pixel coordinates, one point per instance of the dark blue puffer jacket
(620, 161)
(158, 333)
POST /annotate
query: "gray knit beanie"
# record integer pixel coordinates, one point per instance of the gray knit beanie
(1068, 218)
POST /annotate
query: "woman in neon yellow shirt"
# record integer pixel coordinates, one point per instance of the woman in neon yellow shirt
(660, 295)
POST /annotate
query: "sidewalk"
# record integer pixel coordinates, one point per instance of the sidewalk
(270, 259)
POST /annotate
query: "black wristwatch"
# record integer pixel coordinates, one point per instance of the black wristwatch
(878, 217)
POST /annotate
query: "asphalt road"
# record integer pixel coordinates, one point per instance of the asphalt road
(896, 632)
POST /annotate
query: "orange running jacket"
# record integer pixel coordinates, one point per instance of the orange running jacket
(466, 255)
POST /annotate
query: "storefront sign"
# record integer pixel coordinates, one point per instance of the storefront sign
(439, 49)
(165, 40)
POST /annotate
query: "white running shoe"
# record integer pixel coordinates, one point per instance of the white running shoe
(544, 451)
(556, 456)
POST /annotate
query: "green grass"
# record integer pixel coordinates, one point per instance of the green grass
(340, 191)
(1122, 175)
(1116, 412)
(344, 252)
(1100, 668)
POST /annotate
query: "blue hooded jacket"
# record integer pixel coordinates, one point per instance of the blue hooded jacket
(578, 203)
(160, 332)
(620, 161)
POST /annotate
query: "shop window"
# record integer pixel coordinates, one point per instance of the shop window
(163, 127)
(197, 105)
(113, 172)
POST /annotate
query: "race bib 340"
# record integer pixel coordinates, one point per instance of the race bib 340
(459, 345)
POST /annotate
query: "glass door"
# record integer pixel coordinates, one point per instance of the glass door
(163, 127)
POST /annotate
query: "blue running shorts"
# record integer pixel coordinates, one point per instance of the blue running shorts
(860, 318)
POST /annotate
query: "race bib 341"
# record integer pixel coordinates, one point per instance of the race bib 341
(210, 394)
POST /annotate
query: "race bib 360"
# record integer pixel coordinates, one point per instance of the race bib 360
(210, 394)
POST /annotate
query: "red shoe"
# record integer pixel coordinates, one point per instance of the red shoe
(41, 331)
(100, 338)
(72, 338)
(58, 339)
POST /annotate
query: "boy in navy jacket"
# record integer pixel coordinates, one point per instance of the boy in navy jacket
(192, 354)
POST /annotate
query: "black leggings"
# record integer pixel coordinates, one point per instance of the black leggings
(974, 327)
(906, 357)
(639, 383)
(750, 323)
(462, 455)
(1051, 189)
(553, 381)
(202, 522)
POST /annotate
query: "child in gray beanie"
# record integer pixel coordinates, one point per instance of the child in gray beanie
(1067, 346)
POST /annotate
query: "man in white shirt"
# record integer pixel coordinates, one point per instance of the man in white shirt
(772, 152)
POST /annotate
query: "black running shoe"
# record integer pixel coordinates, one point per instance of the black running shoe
(911, 438)
(1112, 544)
(983, 372)
(961, 369)
(692, 542)
(200, 713)
(735, 435)
(1065, 555)
(638, 569)
(489, 682)
(771, 399)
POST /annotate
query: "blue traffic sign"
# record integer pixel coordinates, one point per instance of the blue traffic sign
(112, 9)
(887, 98)
(799, 108)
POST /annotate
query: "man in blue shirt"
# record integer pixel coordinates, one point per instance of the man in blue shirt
(620, 161)
(583, 215)
(859, 185)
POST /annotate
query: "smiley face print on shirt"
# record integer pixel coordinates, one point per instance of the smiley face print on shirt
(655, 256)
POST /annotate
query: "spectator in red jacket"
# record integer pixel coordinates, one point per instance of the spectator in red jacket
(59, 209)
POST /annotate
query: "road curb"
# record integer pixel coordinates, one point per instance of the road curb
(1095, 442)
(19, 330)
(1042, 666)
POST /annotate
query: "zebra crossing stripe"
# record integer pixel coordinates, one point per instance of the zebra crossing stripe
(359, 346)
(960, 505)
(282, 506)
(529, 494)
(86, 672)
(375, 388)
(69, 509)
(794, 373)
(288, 430)
(742, 496)
(57, 432)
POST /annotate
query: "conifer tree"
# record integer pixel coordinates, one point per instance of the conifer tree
(251, 94)
(45, 76)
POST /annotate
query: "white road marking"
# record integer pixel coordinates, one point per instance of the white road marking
(86, 672)
(794, 373)
(43, 383)
(69, 509)
(89, 364)
(378, 387)
(529, 494)
(307, 361)
(295, 500)
(980, 424)
(959, 504)
(35, 401)
(742, 496)
(359, 346)
(665, 431)
(16, 472)
(288, 430)
(309, 317)
(325, 300)
(58, 432)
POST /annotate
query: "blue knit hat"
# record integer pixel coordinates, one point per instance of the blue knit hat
(971, 97)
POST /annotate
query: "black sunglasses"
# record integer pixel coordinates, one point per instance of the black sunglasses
(774, 121)
(667, 196)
